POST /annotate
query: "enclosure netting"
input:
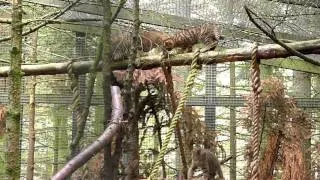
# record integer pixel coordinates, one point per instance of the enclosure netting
(210, 96)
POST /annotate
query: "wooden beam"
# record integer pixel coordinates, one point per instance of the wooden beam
(268, 51)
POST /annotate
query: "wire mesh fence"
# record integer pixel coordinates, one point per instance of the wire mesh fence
(211, 95)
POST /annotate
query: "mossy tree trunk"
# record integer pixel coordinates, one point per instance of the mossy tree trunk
(131, 97)
(108, 167)
(13, 156)
(32, 110)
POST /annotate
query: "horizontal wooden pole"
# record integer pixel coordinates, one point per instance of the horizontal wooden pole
(268, 51)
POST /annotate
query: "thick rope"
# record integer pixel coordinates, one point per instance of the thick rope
(187, 88)
(256, 118)
(76, 105)
(170, 90)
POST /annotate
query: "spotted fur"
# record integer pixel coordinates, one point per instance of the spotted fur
(207, 34)
(152, 39)
(148, 40)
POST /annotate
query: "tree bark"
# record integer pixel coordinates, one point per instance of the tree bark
(32, 109)
(88, 153)
(268, 158)
(131, 97)
(108, 166)
(13, 132)
(268, 51)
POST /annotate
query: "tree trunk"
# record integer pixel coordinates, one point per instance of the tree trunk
(131, 97)
(32, 109)
(268, 51)
(13, 156)
(266, 72)
(108, 167)
(105, 139)
(268, 158)
(117, 152)
(132, 151)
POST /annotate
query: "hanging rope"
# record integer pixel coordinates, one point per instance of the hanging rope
(170, 90)
(76, 106)
(195, 67)
(256, 118)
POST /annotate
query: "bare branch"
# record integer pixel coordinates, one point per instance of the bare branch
(97, 145)
(49, 21)
(274, 38)
(58, 14)
(120, 6)
(226, 160)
